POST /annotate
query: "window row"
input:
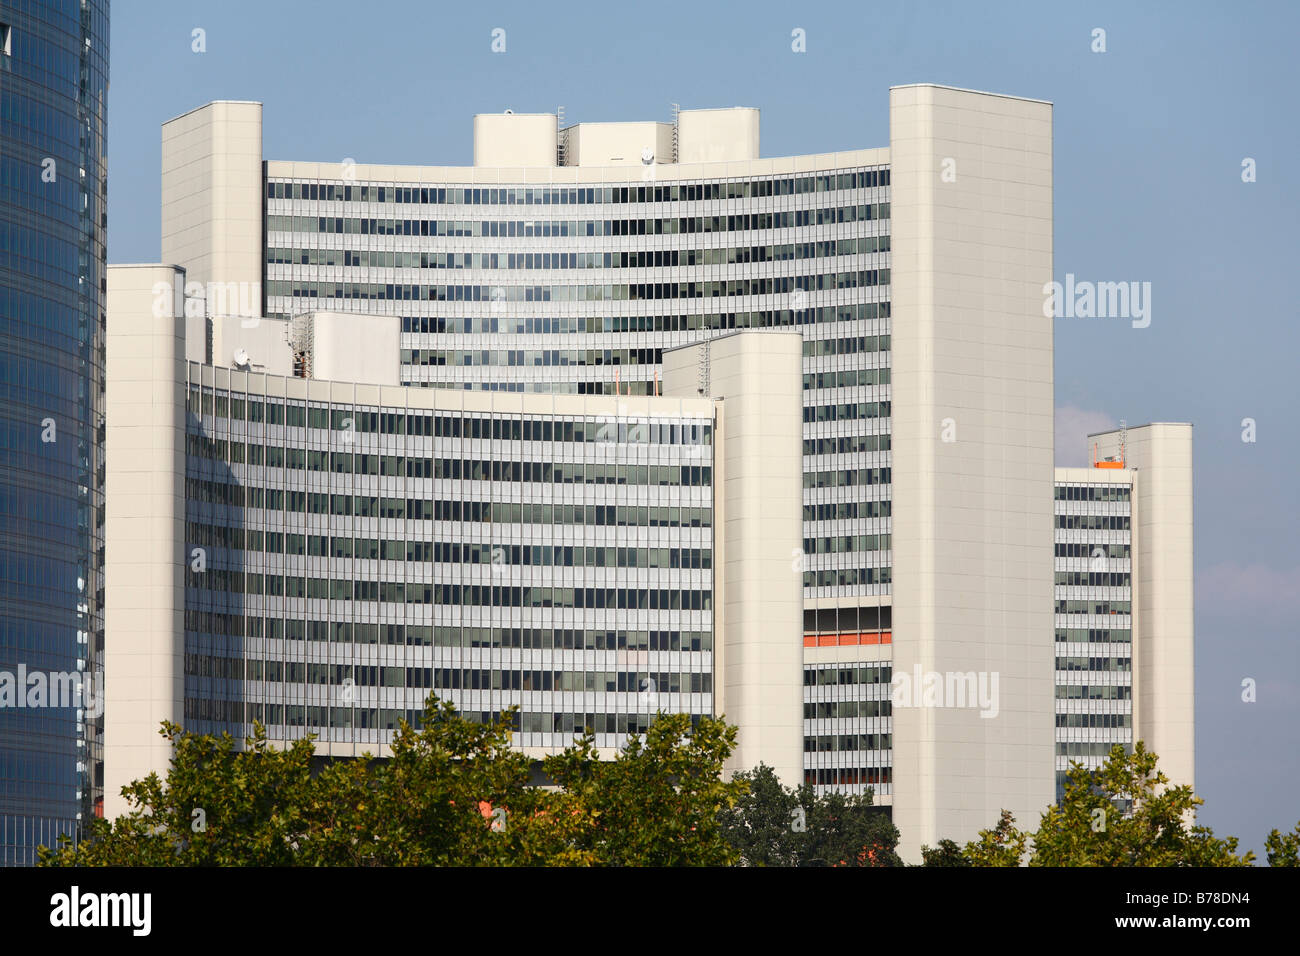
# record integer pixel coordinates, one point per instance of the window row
(1094, 720)
(846, 412)
(839, 676)
(1093, 522)
(763, 318)
(1081, 749)
(447, 678)
(846, 543)
(448, 595)
(283, 503)
(425, 635)
(570, 195)
(847, 379)
(847, 577)
(1090, 550)
(847, 708)
(1083, 635)
(1094, 663)
(640, 259)
(202, 402)
(838, 510)
(847, 477)
(846, 444)
(1094, 607)
(386, 719)
(574, 228)
(608, 292)
(844, 742)
(847, 776)
(1092, 492)
(1093, 579)
(1093, 692)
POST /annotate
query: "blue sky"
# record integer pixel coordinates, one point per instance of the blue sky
(1150, 138)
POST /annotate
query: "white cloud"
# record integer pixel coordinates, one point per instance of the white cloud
(1072, 426)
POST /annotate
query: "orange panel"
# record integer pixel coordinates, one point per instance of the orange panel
(873, 638)
(887, 638)
(848, 640)
(810, 640)
(826, 640)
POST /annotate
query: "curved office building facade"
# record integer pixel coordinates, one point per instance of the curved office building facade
(327, 549)
(53, 88)
(358, 554)
(580, 261)
(578, 288)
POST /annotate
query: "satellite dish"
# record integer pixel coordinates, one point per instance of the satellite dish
(510, 112)
(647, 155)
(241, 358)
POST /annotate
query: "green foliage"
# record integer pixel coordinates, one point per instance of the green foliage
(222, 807)
(1004, 845)
(773, 825)
(455, 793)
(658, 803)
(947, 853)
(1091, 828)
(1283, 849)
(761, 826)
(452, 793)
(1121, 814)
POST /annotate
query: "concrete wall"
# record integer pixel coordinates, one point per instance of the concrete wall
(972, 518)
(717, 136)
(617, 144)
(759, 484)
(212, 203)
(515, 139)
(1163, 605)
(144, 532)
(265, 340)
(351, 348)
(529, 139)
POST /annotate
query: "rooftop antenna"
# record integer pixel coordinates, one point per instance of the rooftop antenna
(677, 112)
(704, 371)
(1114, 461)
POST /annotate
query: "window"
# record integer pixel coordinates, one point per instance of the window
(6, 39)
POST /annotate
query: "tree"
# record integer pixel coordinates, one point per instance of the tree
(947, 853)
(774, 825)
(846, 830)
(219, 807)
(452, 793)
(1283, 849)
(1125, 814)
(1004, 845)
(659, 802)
(765, 824)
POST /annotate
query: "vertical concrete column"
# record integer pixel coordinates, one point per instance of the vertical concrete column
(971, 207)
(758, 591)
(1163, 602)
(144, 533)
(212, 200)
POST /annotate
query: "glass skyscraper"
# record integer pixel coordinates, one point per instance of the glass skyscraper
(53, 106)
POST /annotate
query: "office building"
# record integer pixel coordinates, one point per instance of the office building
(53, 186)
(573, 271)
